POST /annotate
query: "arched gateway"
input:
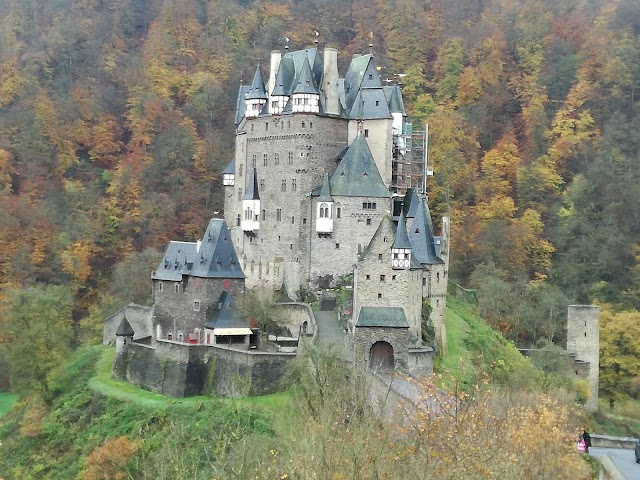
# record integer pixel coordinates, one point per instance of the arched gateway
(381, 357)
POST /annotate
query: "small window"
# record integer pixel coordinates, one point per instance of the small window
(382, 278)
(303, 124)
(238, 220)
(368, 277)
(384, 239)
(338, 212)
(265, 159)
(337, 246)
(310, 124)
(279, 215)
(196, 305)
(291, 246)
(177, 287)
(377, 103)
(240, 170)
(380, 257)
(283, 185)
(266, 126)
(254, 159)
(262, 184)
(293, 220)
(366, 133)
(264, 215)
(239, 194)
(304, 221)
(276, 158)
(393, 277)
(370, 76)
(160, 286)
(368, 221)
(379, 296)
(424, 281)
(294, 185)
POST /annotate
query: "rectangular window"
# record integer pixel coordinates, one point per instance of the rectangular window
(239, 194)
(254, 159)
(338, 210)
(274, 104)
(293, 220)
(380, 257)
(382, 278)
(196, 305)
(368, 221)
(276, 158)
(279, 215)
(262, 184)
(366, 133)
(283, 186)
(265, 158)
(238, 220)
(393, 277)
(264, 215)
(240, 170)
(368, 277)
(160, 286)
(337, 246)
(379, 296)
(290, 158)
(294, 185)
(266, 126)
(177, 287)
(303, 124)
(369, 205)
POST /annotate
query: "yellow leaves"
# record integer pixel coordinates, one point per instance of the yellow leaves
(10, 83)
(6, 170)
(499, 207)
(76, 260)
(109, 461)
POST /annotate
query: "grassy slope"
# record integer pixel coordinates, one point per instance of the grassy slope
(7, 399)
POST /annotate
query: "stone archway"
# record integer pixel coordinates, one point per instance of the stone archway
(381, 357)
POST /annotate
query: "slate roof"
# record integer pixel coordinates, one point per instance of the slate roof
(325, 191)
(240, 104)
(252, 188)
(216, 257)
(226, 315)
(410, 203)
(394, 98)
(306, 82)
(401, 240)
(421, 236)
(231, 168)
(389, 317)
(353, 78)
(124, 329)
(370, 104)
(357, 175)
(257, 89)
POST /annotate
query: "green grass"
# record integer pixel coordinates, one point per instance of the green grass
(457, 330)
(7, 399)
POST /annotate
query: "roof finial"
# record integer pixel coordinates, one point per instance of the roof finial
(371, 44)
(317, 34)
(286, 43)
(360, 126)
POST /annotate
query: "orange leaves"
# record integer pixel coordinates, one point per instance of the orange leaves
(109, 461)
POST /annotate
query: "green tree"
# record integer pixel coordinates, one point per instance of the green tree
(40, 328)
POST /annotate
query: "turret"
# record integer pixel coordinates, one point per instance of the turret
(330, 81)
(401, 248)
(324, 209)
(229, 175)
(251, 205)
(256, 97)
(306, 97)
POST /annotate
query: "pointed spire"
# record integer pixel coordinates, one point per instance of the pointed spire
(421, 235)
(252, 188)
(306, 83)
(401, 240)
(125, 329)
(257, 90)
(325, 191)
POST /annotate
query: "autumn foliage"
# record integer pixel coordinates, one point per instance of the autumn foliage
(109, 461)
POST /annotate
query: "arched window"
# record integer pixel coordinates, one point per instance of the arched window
(324, 210)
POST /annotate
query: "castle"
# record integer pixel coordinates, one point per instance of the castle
(328, 181)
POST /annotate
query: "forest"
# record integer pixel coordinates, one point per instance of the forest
(116, 119)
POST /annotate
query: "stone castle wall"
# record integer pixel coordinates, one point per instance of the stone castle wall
(365, 337)
(170, 304)
(180, 370)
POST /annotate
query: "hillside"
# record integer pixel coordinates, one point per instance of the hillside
(100, 428)
(116, 119)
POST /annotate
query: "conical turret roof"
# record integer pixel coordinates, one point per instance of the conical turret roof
(125, 329)
(252, 188)
(257, 90)
(421, 236)
(325, 191)
(306, 82)
(401, 240)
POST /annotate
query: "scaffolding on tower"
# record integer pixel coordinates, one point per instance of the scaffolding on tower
(410, 167)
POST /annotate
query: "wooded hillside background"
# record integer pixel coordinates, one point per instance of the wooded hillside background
(116, 119)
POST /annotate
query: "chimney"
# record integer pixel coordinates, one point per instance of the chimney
(330, 82)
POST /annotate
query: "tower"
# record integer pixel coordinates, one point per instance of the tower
(583, 340)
